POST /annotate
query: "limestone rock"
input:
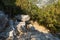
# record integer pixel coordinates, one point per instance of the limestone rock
(21, 27)
(23, 17)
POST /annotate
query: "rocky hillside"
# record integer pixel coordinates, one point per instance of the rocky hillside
(20, 28)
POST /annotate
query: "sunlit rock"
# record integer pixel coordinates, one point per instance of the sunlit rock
(23, 17)
(21, 27)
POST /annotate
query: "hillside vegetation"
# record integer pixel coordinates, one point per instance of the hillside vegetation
(48, 16)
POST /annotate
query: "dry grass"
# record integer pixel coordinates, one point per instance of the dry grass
(40, 28)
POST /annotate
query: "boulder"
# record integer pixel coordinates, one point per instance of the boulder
(23, 17)
(3, 20)
(21, 27)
